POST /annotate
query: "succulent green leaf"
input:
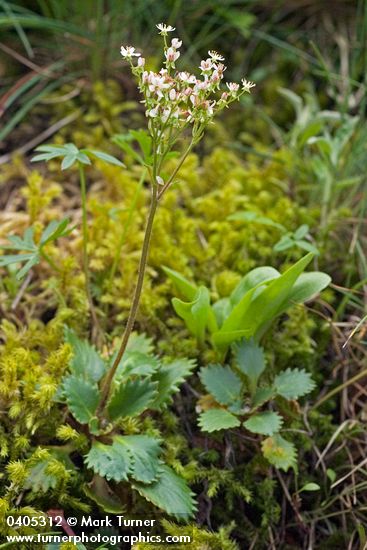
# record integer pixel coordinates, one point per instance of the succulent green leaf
(308, 285)
(82, 398)
(183, 285)
(144, 452)
(170, 493)
(169, 377)
(279, 452)
(196, 313)
(131, 398)
(109, 461)
(214, 420)
(253, 279)
(86, 363)
(293, 383)
(264, 423)
(222, 383)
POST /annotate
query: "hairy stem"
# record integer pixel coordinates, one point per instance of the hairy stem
(106, 387)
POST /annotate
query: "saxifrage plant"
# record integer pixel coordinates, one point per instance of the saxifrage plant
(102, 394)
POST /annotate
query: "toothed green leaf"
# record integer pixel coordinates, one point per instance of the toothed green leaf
(109, 461)
(169, 379)
(265, 423)
(82, 398)
(293, 383)
(86, 363)
(144, 452)
(170, 493)
(131, 398)
(224, 385)
(279, 452)
(217, 419)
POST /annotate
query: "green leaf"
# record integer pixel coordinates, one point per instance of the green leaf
(109, 461)
(40, 480)
(54, 230)
(279, 452)
(144, 140)
(224, 385)
(308, 285)
(250, 361)
(99, 491)
(310, 487)
(169, 377)
(104, 156)
(253, 279)
(144, 452)
(170, 493)
(284, 243)
(265, 423)
(261, 396)
(68, 161)
(196, 314)
(86, 363)
(301, 232)
(217, 419)
(131, 398)
(183, 285)
(293, 383)
(82, 398)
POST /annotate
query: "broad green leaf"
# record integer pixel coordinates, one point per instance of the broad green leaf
(264, 423)
(222, 308)
(310, 487)
(214, 420)
(252, 279)
(170, 493)
(82, 398)
(169, 377)
(308, 285)
(131, 398)
(293, 383)
(222, 383)
(109, 461)
(183, 285)
(197, 313)
(250, 360)
(104, 156)
(144, 452)
(86, 362)
(279, 452)
(268, 304)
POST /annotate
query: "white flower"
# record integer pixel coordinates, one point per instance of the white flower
(159, 180)
(128, 52)
(215, 56)
(247, 84)
(206, 65)
(172, 94)
(153, 112)
(233, 87)
(176, 43)
(187, 77)
(141, 62)
(171, 55)
(165, 29)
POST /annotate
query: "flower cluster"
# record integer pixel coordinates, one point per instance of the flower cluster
(174, 99)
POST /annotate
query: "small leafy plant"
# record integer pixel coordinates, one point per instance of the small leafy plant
(261, 296)
(142, 383)
(32, 252)
(244, 395)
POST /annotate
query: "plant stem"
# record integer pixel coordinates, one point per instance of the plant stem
(83, 191)
(106, 387)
